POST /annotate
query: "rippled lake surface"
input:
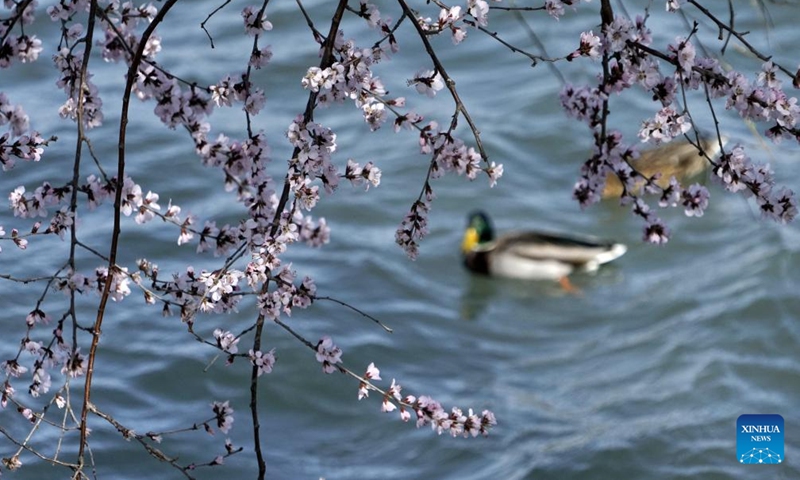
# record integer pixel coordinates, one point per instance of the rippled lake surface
(642, 375)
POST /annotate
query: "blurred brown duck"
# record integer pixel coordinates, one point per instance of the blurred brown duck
(678, 158)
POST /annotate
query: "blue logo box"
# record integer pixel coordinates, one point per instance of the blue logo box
(759, 439)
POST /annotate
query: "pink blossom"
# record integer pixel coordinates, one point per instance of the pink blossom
(671, 194)
(479, 10)
(27, 48)
(255, 21)
(685, 53)
(495, 171)
(387, 405)
(555, 8)
(590, 46)
(618, 34)
(695, 200)
(224, 415)
(656, 232)
(328, 354)
(261, 57)
(13, 368)
(37, 316)
(427, 82)
(674, 5)
(75, 364)
(264, 362)
(226, 341)
(372, 372)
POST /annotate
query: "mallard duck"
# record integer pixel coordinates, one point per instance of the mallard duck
(678, 158)
(532, 255)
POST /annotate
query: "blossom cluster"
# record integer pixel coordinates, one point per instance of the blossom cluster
(263, 361)
(286, 295)
(449, 154)
(59, 355)
(17, 142)
(14, 116)
(21, 47)
(624, 46)
(737, 172)
(457, 19)
(206, 292)
(368, 175)
(96, 190)
(351, 77)
(120, 30)
(428, 411)
(83, 99)
(414, 227)
(74, 282)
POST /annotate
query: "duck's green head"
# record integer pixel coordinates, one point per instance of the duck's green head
(479, 230)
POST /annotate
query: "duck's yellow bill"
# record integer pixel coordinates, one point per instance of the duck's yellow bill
(470, 240)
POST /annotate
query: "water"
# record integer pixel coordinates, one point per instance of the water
(641, 376)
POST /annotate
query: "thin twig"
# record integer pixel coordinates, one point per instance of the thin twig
(128, 433)
(345, 304)
(203, 23)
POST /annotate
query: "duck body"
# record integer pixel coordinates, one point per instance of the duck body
(532, 255)
(679, 159)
